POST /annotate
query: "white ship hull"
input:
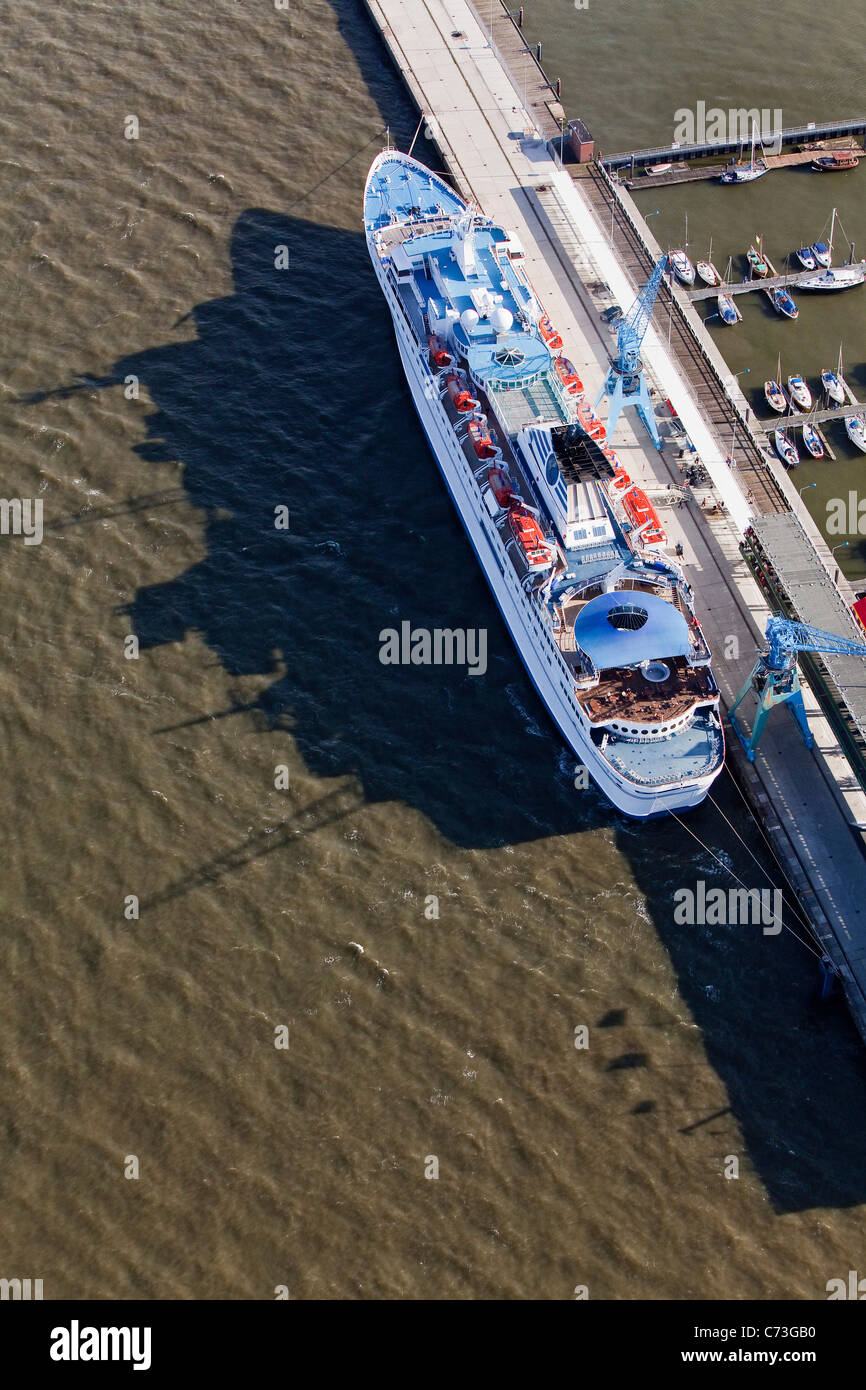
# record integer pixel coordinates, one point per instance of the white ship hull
(534, 642)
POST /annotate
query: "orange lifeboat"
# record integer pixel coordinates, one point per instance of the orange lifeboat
(568, 376)
(590, 421)
(621, 480)
(500, 485)
(464, 401)
(644, 518)
(438, 351)
(549, 334)
(530, 537)
(481, 441)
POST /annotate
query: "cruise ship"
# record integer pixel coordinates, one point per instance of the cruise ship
(599, 611)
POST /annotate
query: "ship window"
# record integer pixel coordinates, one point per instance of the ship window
(628, 617)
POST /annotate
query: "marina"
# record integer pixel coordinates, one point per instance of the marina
(680, 171)
(814, 133)
(560, 216)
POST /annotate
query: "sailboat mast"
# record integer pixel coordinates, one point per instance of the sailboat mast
(832, 230)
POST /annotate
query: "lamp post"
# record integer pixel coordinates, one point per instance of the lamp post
(840, 546)
(806, 488)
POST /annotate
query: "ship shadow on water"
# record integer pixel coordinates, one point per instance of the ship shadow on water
(291, 392)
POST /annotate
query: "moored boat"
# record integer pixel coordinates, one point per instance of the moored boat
(757, 263)
(786, 449)
(727, 309)
(821, 252)
(682, 267)
(708, 273)
(855, 428)
(599, 613)
(805, 257)
(746, 173)
(812, 441)
(784, 304)
(839, 277)
(799, 392)
(775, 396)
(830, 163)
(832, 383)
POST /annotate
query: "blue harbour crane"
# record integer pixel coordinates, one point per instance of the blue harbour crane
(625, 383)
(776, 680)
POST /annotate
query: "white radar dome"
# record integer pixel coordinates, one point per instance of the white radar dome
(501, 320)
(469, 319)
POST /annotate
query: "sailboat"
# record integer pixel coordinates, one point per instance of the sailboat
(784, 304)
(843, 277)
(682, 266)
(775, 397)
(680, 263)
(855, 427)
(728, 311)
(746, 173)
(707, 271)
(799, 392)
(812, 441)
(758, 263)
(833, 382)
(785, 448)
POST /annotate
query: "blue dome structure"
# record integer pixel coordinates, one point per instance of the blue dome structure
(627, 627)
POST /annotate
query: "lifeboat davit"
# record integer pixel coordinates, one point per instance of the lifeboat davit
(438, 351)
(482, 443)
(500, 486)
(464, 401)
(568, 376)
(549, 334)
(644, 518)
(590, 421)
(621, 480)
(537, 552)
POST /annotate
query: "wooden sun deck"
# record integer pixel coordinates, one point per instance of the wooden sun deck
(627, 694)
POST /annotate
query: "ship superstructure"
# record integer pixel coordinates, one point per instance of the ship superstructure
(573, 551)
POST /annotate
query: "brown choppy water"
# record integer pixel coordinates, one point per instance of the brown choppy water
(451, 1036)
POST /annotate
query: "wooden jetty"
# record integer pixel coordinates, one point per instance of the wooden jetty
(820, 417)
(815, 135)
(770, 282)
(684, 172)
